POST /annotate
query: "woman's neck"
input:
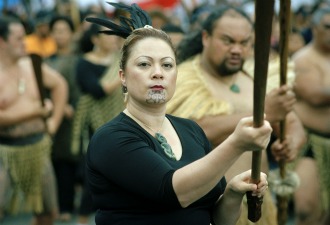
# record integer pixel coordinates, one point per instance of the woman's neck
(149, 118)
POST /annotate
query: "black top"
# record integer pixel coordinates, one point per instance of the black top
(131, 177)
(88, 77)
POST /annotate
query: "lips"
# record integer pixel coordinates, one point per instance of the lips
(157, 87)
(235, 61)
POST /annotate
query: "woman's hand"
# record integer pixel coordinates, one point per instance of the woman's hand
(249, 138)
(240, 184)
(233, 196)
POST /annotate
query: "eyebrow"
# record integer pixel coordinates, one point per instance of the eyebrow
(231, 39)
(166, 57)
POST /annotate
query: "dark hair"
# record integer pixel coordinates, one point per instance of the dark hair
(199, 10)
(192, 43)
(138, 35)
(5, 22)
(172, 28)
(66, 19)
(85, 43)
(156, 13)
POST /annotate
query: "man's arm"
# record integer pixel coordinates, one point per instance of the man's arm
(310, 85)
(12, 117)
(218, 128)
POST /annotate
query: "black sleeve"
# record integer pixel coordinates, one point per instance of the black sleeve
(88, 79)
(138, 168)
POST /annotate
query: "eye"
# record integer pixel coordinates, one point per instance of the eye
(168, 65)
(143, 64)
(245, 43)
(226, 41)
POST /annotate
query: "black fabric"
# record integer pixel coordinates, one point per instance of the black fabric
(131, 177)
(88, 77)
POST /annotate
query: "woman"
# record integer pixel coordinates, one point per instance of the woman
(99, 102)
(147, 167)
(65, 164)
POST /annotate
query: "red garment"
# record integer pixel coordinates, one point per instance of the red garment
(149, 4)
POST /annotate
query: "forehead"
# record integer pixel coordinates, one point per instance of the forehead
(152, 47)
(233, 26)
(16, 29)
(61, 24)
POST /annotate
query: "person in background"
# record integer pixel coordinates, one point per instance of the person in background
(94, 107)
(39, 41)
(312, 85)
(296, 41)
(159, 18)
(212, 88)
(148, 167)
(26, 128)
(65, 163)
(175, 32)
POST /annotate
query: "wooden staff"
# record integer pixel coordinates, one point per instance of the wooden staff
(37, 64)
(285, 15)
(264, 10)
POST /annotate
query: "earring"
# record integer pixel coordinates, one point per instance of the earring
(124, 89)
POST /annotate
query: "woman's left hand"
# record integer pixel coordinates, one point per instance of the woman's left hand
(240, 184)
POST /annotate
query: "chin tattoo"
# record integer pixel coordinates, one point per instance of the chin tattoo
(156, 97)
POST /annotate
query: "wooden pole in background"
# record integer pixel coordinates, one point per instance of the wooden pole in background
(285, 28)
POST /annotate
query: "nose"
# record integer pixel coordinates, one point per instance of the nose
(236, 49)
(158, 73)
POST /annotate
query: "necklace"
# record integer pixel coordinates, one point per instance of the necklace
(159, 137)
(21, 86)
(21, 82)
(235, 88)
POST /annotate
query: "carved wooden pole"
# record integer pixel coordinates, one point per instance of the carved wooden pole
(264, 10)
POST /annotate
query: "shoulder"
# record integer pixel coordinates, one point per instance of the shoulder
(119, 127)
(116, 124)
(304, 54)
(189, 65)
(186, 124)
(180, 121)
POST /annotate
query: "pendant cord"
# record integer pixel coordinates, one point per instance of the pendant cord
(149, 127)
(159, 137)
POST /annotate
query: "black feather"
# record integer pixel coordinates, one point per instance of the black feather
(138, 19)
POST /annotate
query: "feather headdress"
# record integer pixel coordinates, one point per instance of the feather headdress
(138, 19)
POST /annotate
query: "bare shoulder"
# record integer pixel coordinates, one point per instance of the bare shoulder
(25, 62)
(303, 54)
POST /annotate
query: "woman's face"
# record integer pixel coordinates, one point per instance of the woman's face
(62, 33)
(150, 73)
(107, 43)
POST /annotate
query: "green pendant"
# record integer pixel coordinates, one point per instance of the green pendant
(166, 147)
(235, 88)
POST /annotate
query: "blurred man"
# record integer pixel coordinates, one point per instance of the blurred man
(25, 142)
(213, 90)
(312, 88)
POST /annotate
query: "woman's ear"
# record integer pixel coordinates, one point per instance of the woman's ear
(122, 77)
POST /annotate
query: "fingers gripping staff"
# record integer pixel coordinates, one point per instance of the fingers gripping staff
(264, 10)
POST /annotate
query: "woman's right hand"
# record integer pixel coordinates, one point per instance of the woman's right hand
(250, 138)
